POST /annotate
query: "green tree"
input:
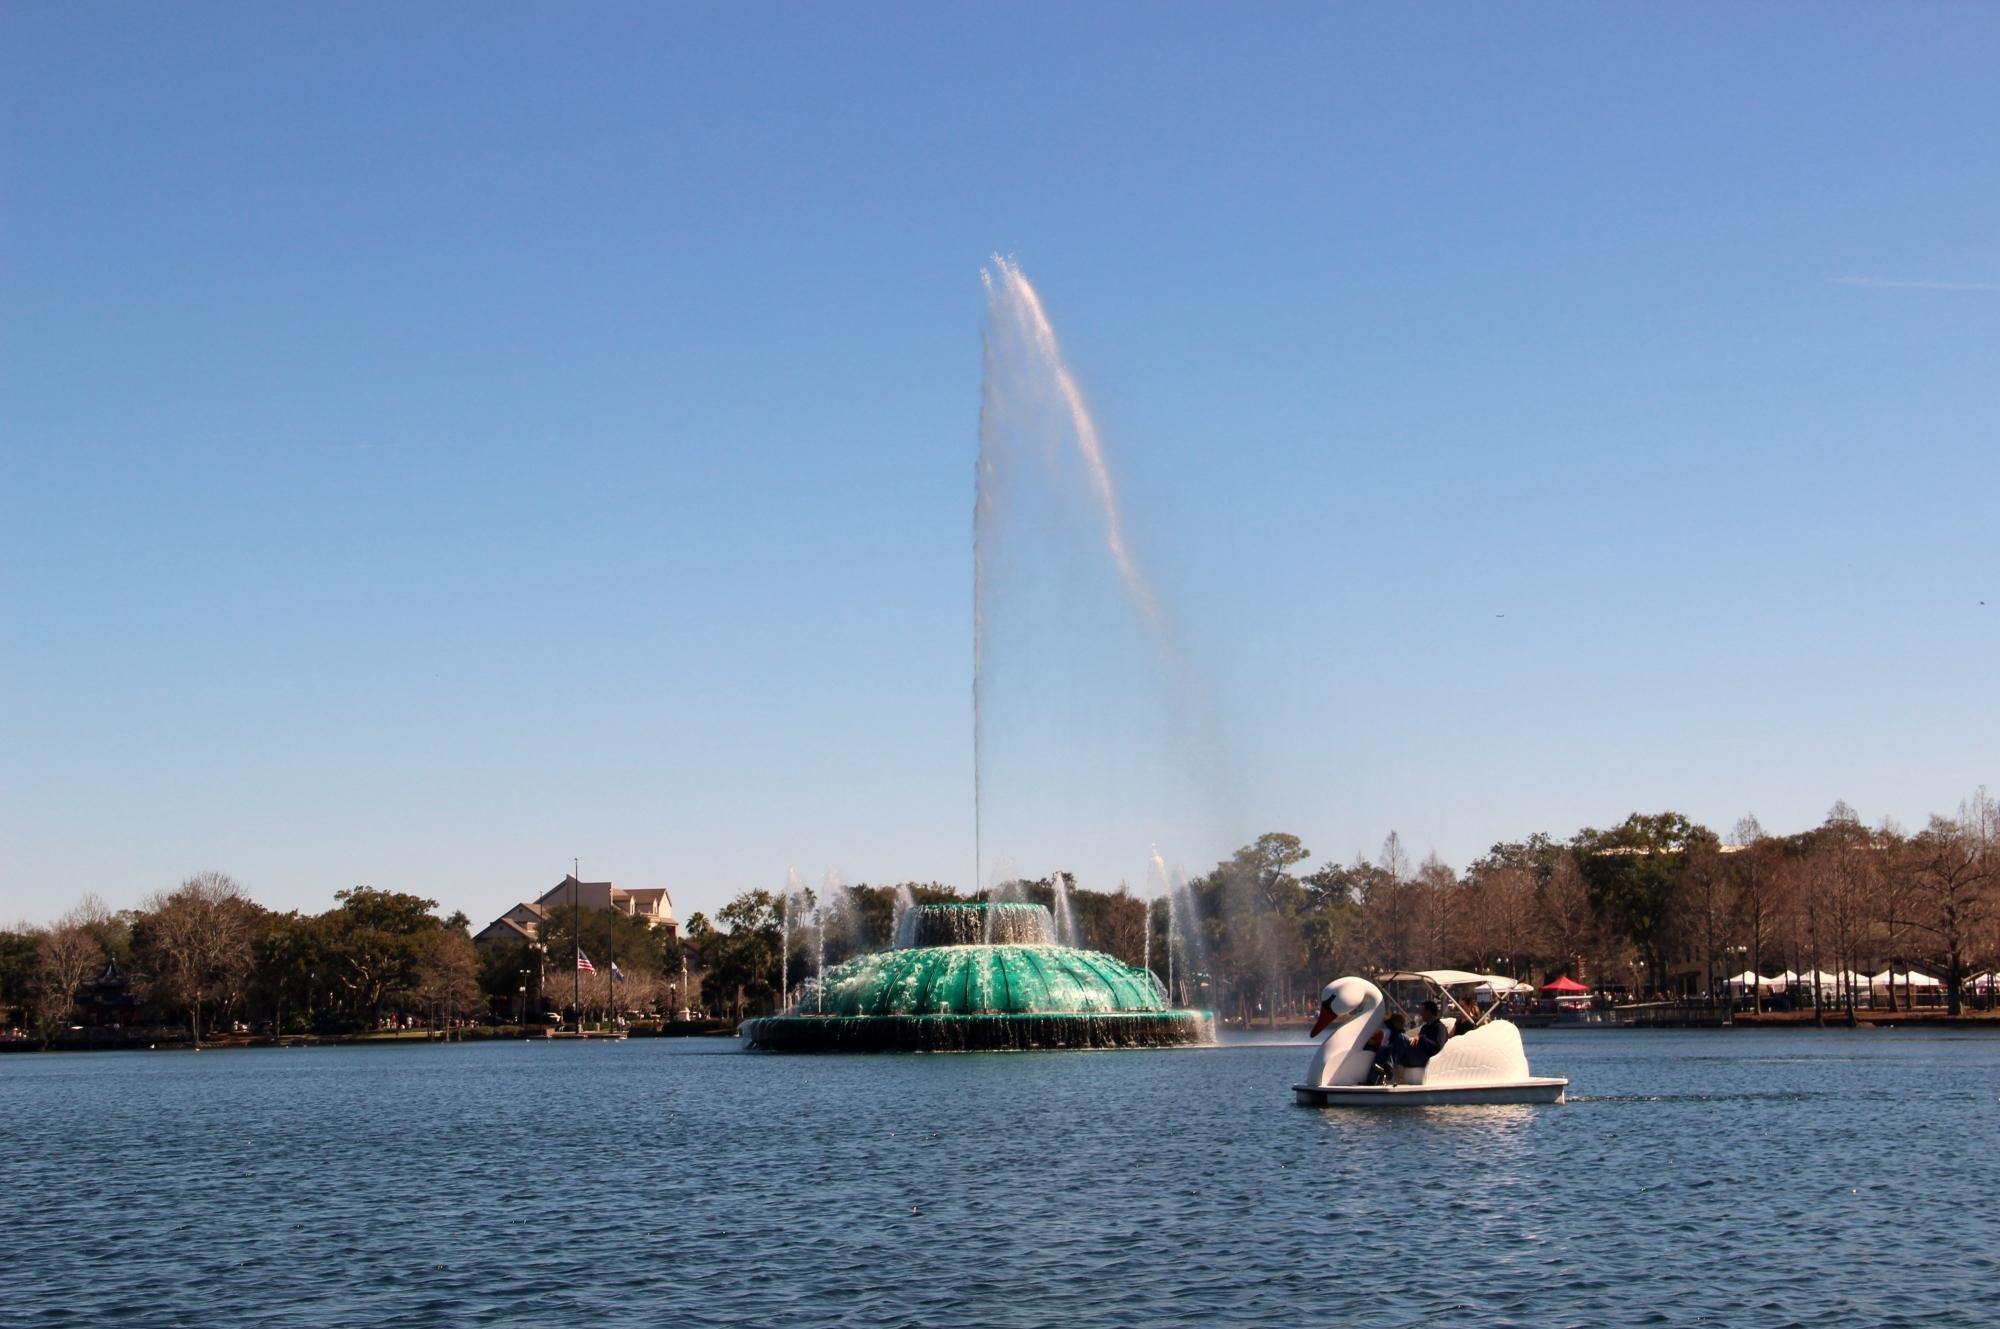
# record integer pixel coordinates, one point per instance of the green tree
(17, 970)
(372, 943)
(740, 956)
(1636, 872)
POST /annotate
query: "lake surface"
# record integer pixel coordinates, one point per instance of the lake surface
(1744, 1178)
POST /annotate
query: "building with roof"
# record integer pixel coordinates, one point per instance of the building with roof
(524, 921)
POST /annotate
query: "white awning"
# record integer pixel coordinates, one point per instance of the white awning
(1914, 978)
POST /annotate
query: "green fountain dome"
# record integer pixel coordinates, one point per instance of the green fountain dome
(985, 980)
(968, 976)
(984, 923)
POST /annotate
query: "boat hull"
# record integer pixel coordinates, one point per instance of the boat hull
(1535, 1089)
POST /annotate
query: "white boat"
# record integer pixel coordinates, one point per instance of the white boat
(1482, 1063)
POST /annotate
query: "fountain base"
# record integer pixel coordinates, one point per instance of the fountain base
(1022, 1032)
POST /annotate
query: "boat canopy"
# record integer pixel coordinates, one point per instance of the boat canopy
(1444, 978)
(1437, 985)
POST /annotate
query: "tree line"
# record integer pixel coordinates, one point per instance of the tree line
(1656, 907)
(204, 955)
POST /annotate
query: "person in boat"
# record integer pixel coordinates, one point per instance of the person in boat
(1392, 1048)
(1431, 1037)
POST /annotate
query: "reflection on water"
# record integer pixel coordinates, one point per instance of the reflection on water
(1761, 1177)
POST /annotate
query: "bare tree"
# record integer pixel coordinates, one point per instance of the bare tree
(1388, 907)
(1437, 899)
(198, 940)
(1757, 890)
(65, 955)
(1569, 924)
(1841, 873)
(1951, 898)
(448, 977)
(1706, 901)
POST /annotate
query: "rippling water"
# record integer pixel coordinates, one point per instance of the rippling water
(1749, 1178)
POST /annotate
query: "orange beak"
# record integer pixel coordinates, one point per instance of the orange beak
(1326, 1017)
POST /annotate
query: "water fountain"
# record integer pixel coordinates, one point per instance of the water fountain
(1008, 973)
(980, 977)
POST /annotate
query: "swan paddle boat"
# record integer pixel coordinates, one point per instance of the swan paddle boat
(1483, 1061)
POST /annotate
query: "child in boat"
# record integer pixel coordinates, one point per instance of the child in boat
(1392, 1049)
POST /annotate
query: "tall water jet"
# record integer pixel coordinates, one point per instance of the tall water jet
(1065, 918)
(1073, 651)
(826, 909)
(1146, 936)
(1158, 883)
(794, 888)
(1193, 951)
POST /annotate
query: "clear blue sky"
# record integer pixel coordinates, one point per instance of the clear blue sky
(439, 441)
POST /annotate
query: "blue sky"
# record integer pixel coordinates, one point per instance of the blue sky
(439, 442)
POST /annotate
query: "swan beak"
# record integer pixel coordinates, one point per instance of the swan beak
(1326, 1017)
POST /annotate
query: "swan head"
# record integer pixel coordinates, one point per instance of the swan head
(1342, 998)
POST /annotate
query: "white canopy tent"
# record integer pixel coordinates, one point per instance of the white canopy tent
(1913, 978)
(1814, 978)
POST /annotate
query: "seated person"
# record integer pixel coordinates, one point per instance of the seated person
(1392, 1049)
(1431, 1038)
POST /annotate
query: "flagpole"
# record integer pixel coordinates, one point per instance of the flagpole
(576, 926)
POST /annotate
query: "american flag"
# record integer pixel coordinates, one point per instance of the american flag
(583, 962)
(617, 974)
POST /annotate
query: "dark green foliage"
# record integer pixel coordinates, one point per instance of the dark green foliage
(1636, 873)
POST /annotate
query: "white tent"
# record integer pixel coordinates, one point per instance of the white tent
(1982, 983)
(1914, 978)
(1751, 978)
(1810, 979)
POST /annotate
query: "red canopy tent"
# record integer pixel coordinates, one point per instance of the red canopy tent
(1564, 985)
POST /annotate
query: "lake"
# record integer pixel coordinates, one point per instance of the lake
(1726, 1177)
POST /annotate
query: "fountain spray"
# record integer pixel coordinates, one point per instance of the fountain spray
(1065, 918)
(793, 889)
(825, 909)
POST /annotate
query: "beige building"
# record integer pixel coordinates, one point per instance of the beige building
(524, 921)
